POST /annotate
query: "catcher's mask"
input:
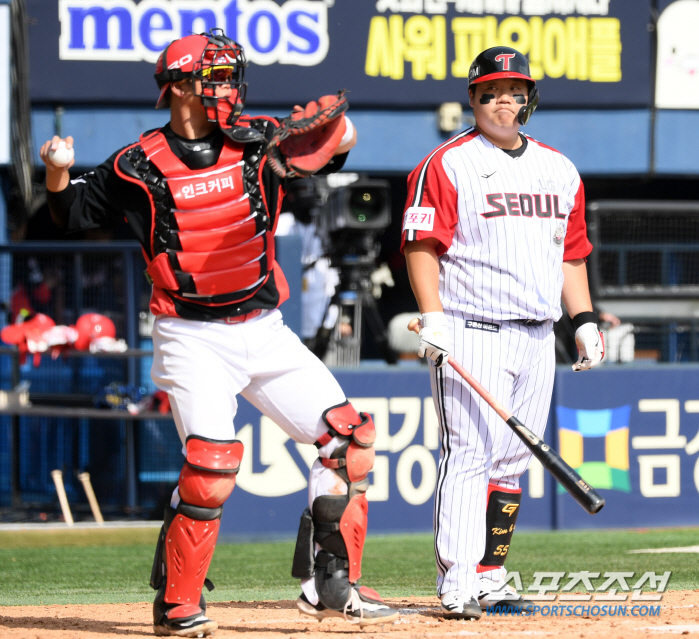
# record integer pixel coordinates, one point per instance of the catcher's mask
(504, 62)
(217, 62)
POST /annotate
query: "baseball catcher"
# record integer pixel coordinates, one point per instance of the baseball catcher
(202, 195)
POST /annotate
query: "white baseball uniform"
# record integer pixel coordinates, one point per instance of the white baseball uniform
(504, 222)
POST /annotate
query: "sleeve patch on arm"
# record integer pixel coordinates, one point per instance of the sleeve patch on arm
(419, 218)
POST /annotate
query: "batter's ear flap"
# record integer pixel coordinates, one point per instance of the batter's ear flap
(526, 111)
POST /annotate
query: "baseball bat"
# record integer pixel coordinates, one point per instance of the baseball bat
(578, 488)
(62, 497)
(94, 506)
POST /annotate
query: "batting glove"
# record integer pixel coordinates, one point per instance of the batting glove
(434, 338)
(589, 341)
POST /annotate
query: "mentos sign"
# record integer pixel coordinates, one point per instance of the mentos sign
(295, 32)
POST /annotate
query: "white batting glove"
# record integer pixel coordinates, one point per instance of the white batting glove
(590, 345)
(434, 338)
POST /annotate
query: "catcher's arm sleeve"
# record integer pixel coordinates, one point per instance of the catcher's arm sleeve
(59, 205)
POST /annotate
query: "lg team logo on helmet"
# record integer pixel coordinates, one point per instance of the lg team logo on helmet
(505, 59)
(294, 32)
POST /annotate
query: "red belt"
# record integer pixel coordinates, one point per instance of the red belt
(239, 319)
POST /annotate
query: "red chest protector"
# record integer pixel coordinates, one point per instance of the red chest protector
(218, 250)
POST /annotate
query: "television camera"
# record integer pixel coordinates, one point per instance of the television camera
(349, 213)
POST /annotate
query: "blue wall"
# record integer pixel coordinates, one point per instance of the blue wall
(600, 143)
(635, 429)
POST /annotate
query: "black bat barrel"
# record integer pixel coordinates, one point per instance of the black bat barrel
(580, 490)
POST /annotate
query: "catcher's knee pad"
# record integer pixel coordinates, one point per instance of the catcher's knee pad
(500, 519)
(355, 458)
(189, 533)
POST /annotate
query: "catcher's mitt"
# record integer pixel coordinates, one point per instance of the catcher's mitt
(306, 140)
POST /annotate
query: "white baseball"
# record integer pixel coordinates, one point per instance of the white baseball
(62, 155)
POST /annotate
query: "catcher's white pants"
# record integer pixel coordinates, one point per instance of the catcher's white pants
(517, 366)
(203, 366)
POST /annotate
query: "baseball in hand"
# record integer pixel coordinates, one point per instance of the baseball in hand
(62, 155)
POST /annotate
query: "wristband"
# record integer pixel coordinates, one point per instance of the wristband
(435, 319)
(349, 132)
(585, 317)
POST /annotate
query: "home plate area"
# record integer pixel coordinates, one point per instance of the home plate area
(420, 617)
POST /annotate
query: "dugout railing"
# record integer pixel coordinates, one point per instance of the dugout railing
(644, 268)
(133, 461)
(63, 428)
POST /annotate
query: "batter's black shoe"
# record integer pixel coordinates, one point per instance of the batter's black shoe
(497, 596)
(365, 608)
(459, 605)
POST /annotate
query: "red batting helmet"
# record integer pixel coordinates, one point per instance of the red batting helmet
(214, 60)
(504, 62)
(92, 326)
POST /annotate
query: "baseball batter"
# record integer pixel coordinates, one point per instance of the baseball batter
(494, 235)
(202, 195)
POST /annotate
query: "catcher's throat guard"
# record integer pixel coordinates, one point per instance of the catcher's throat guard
(505, 62)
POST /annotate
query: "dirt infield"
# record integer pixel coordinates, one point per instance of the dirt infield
(679, 615)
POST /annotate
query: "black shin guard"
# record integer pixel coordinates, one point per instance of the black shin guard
(157, 573)
(332, 563)
(303, 566)
(500, 520)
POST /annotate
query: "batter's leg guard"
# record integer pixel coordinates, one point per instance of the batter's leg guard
(500, 520)
(338, 525)
(188, 537)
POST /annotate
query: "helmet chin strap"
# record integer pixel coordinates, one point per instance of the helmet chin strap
(526, 111)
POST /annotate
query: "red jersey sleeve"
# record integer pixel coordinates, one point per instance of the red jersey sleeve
(576, 244)
(431, 207)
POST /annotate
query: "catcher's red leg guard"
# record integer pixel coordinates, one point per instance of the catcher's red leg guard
(339, 525)
(500, 519)
(189, 536)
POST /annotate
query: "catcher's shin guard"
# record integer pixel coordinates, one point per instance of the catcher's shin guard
(500, 519)
(339, 522)
(188, 537)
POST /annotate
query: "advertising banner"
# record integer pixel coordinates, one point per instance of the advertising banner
(633, 433)
(272, 485)
(677, 70)
(5, 89)
(411, 53)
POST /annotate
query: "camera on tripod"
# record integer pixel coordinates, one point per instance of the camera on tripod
(352, 218)
(349, 213)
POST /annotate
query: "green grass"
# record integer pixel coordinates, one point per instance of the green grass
(113, 566)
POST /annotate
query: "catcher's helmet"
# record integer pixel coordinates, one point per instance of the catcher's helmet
(91, 326)
(214, 60)
(504, 62)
